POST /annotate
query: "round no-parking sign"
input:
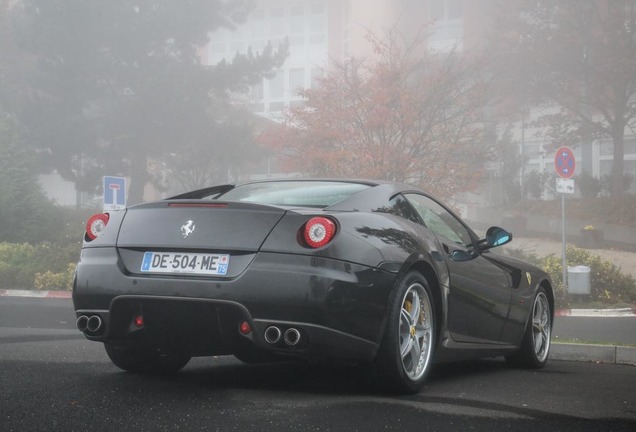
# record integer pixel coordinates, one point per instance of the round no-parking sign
(564, 162)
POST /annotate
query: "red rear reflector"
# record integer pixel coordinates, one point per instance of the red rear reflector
(245, 328)
(319, 231)
(139, 321)
(96, 225)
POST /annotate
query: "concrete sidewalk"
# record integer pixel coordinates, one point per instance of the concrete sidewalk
(543, 247)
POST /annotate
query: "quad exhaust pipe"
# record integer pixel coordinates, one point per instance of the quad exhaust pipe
(89, 324)
(291, 337)
(272, 334)
(94, 324)
(82, 323)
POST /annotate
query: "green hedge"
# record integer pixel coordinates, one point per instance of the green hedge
(42, 266)
(55, 281)
(609, 286)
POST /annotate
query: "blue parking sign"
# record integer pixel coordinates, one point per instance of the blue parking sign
(114, 193)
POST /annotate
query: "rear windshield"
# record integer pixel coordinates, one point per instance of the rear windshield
(294, 193)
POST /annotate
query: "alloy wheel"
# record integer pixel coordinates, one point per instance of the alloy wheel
(541, 326)
(416, 331)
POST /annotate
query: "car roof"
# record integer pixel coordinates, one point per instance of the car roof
(379, 192)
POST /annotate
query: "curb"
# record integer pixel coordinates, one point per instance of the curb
(610, 354)
(36, 294)
(622, 312)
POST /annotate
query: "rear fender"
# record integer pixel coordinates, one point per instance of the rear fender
(425, 266)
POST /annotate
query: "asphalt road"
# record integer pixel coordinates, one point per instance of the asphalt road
(52, 379)
(609, 330)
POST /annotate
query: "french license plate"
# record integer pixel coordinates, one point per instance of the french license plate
(193, 263)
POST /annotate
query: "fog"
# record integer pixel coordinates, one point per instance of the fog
(469, 100)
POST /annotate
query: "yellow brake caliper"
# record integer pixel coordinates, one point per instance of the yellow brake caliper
(408, 305)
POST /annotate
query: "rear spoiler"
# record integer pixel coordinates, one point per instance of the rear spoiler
(209, 192)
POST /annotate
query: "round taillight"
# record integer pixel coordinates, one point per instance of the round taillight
(319, 231)
(96, 225)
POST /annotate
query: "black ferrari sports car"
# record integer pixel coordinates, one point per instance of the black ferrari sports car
(372, 273)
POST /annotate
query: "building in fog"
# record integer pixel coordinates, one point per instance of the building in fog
(321, 32)
(324, 31)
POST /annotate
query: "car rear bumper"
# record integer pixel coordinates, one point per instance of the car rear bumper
(337, 308)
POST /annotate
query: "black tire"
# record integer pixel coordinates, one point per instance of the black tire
(535, 346)
(405, 355)
(145, 360)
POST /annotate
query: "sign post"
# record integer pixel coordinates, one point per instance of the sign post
(114, 197)
(564, 164)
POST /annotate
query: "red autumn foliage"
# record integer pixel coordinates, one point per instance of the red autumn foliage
(403, 114)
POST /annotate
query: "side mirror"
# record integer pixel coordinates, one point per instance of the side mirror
(496, 236)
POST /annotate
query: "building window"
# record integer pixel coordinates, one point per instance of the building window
(317, 8)
(446, 10)
(277, 85)
(607, 147)
(316, 75)
(447, 30)
(317, 24)
(237, 46)
(296, 81)
(258, 25)
(454, 9)
(257, 91)
(278, 12)
(277, 22)
(297, 25)
(276, 107)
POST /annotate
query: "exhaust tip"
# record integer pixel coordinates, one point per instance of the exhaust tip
(292, 337)
(82, 323)
(272, 334)
(94, 324)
